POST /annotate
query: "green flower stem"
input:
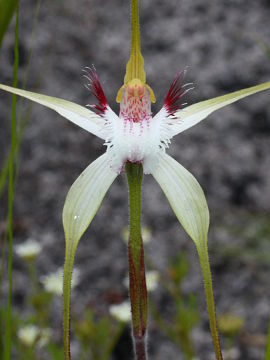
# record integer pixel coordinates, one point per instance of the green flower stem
(137, 283)
(69, 260)
(8, 340)
(207, 279)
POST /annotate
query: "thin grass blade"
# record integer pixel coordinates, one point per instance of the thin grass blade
(7, 9)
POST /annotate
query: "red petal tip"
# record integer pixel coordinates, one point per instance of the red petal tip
(96, 89)
(177, 89)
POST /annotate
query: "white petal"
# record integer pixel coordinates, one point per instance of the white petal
(85, 197)
(77, 114)
(193, 114)
(185, 196)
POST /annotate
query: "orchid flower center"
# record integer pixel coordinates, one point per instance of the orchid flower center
(135, 135)
(135, 104)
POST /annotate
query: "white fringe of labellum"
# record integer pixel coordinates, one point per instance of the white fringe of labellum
(135, 135)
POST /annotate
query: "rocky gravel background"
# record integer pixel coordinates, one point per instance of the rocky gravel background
(221, 43)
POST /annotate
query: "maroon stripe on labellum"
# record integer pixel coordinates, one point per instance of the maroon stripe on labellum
(96, 89)
(172, 101)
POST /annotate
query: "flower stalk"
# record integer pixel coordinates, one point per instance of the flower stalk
(209, 295)
(67, 276)
(137, 283)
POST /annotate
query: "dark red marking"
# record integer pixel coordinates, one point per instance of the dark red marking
(138, 293)
(96, 90)
(172, 101)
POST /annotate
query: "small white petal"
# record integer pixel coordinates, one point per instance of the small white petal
(185, 196)
(44, 337)
(151, 277)
(121, 312)
(193, 114)
(28, 250)
(28, 335)
(146, 234)
(53, 282)
(77, 114)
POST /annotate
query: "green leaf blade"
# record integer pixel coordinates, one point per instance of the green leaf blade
(7, 9)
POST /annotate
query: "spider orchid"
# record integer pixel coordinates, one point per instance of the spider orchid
(136, 141)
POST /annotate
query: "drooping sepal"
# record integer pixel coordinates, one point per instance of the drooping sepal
(185, 196)
(188, 202)
(81, 205)
(85, 197)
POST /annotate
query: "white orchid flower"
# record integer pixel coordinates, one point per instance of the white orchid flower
(136, 136)
(139, 137)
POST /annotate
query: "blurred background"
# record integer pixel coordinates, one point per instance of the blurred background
(225, 45)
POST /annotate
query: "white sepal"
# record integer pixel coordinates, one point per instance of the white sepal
(77, 114)
(85, 197)
(185, 196)
(81, 205)
(193, 114)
